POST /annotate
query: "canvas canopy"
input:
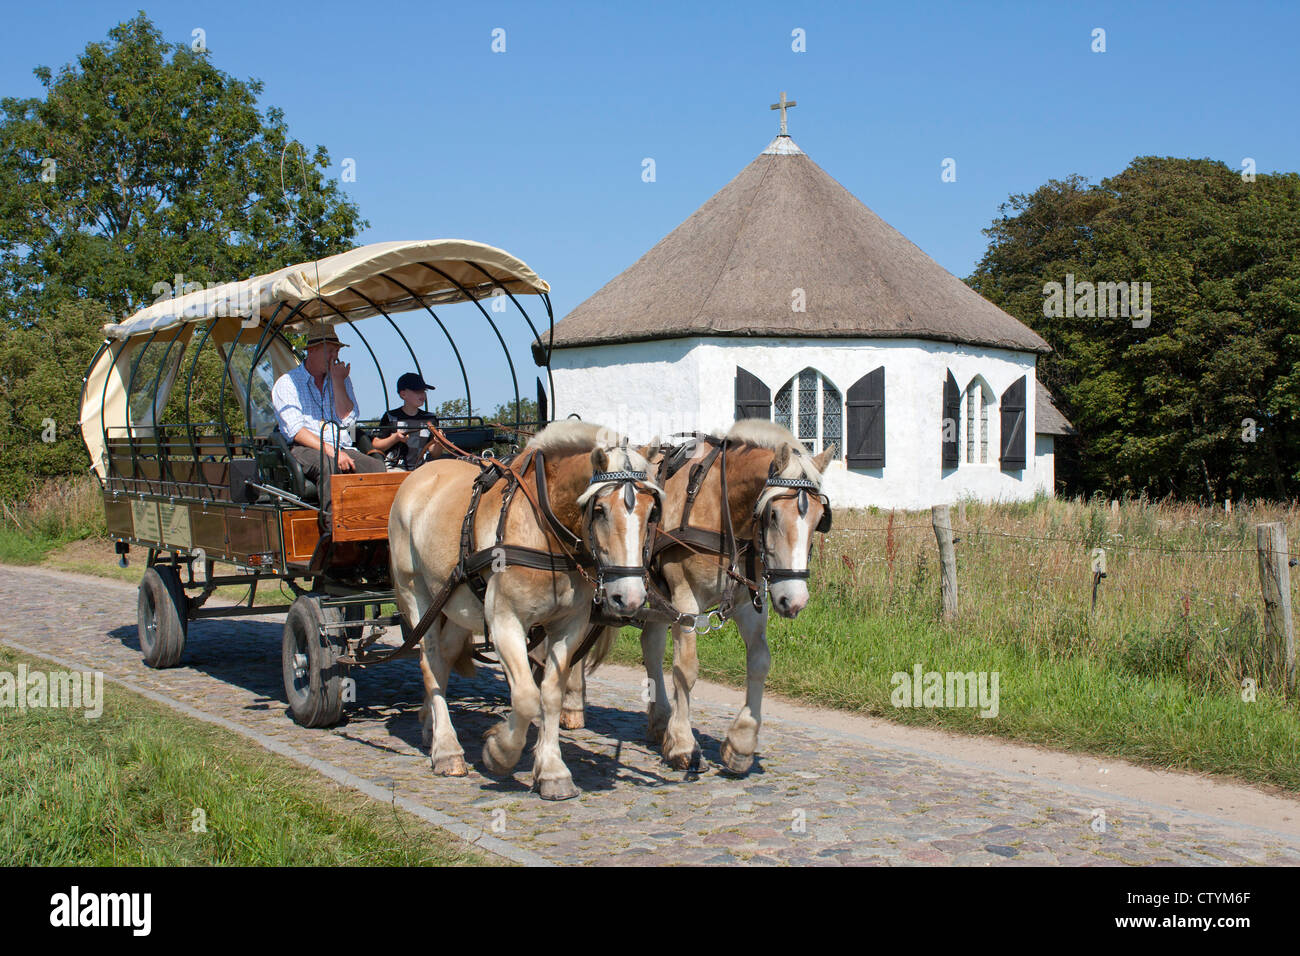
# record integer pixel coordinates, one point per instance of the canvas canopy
(388, 276)
(132, 376)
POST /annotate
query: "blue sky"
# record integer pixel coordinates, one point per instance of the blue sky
(539, 149)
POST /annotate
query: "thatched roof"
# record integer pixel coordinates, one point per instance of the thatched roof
(1048, 418)
(784, 224)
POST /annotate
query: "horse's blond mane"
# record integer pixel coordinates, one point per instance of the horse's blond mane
(766, 434)
(571, 435)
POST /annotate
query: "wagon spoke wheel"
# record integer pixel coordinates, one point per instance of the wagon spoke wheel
(313, 676)
(162, 616)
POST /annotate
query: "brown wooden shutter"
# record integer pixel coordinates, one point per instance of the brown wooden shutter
(865, 438)
(753, 398)
(1013, 426)
(951, 413)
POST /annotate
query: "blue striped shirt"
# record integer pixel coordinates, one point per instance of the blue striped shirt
(300, 404)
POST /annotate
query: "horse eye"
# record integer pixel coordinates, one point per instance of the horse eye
(598, 511)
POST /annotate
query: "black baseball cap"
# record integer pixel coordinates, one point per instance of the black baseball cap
(413, 382)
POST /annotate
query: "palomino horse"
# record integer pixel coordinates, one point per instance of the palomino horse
(780, 517)
(597, 491)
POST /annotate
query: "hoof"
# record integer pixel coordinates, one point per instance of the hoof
(573, 719)
(681, 759)
(734, 761)
(452, 765)
(493, 759)
(562, 788)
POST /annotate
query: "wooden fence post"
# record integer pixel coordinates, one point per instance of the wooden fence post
(1275, 582)
(961, 511)
(942, 521)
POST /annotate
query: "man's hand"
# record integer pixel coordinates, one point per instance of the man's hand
(339, 371)
(345, 462)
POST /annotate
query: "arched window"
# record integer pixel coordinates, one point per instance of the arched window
(976, 402)
(813, 408)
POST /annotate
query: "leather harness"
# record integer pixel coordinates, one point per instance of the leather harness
(473, 565)
(722, 544)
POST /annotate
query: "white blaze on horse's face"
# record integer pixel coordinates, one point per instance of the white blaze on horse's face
(619, 520)
(788, 541)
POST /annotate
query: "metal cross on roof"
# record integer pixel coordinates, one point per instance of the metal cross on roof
(783, 106)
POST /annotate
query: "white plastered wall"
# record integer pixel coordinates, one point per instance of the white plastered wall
(645, 389)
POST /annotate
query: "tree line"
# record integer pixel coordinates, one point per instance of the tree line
(1194, 393)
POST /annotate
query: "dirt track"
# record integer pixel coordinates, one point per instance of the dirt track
(827, 788)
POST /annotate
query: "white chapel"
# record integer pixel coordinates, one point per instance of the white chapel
(784, 297)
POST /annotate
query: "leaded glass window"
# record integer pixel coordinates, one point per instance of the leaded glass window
(813, 409)
(984, 432)
(978, 397)
(784, 406)
(832, 415)
(970, 423)
(807, 404)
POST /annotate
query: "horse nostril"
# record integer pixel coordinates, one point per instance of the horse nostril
(617, 600)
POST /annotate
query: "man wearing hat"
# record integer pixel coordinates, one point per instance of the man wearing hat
(316, 410)
(407, 447)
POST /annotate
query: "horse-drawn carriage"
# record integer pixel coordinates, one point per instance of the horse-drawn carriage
(227, 492)
(536, 558)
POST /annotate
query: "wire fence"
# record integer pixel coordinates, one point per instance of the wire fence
(1213, 609)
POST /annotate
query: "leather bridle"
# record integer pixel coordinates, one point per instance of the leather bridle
(632, 484)
(723, 545)
(796, 488)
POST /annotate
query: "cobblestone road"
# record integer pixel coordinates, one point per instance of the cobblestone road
(858, 803)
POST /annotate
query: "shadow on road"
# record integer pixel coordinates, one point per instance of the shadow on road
(246, 653)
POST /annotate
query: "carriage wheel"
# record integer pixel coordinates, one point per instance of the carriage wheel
(313, 677)
(162, 616)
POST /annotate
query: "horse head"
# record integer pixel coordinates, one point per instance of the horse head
(619, 505)
(789, 509)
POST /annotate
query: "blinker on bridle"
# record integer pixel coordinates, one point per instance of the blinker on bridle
(799, 487)
(803, 486)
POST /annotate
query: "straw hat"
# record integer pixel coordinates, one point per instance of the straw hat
(320, 333)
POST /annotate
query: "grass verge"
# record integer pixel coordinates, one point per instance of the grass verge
(122, 790)
(1082, 702)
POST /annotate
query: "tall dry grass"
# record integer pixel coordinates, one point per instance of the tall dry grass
(62, 510)
(1181, 595)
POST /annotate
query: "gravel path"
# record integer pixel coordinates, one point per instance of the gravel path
(817, 795)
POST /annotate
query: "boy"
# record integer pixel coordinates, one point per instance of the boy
(403, 448)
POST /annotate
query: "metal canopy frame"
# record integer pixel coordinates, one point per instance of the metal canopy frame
(148, 431)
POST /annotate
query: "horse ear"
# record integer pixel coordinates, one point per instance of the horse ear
(781, 458)
(821, 461)
(599, 460)
(648, 452)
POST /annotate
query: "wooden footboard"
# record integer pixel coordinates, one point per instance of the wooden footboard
(361, 504)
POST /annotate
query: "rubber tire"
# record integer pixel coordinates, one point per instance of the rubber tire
(317, 699)
(162, 616)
